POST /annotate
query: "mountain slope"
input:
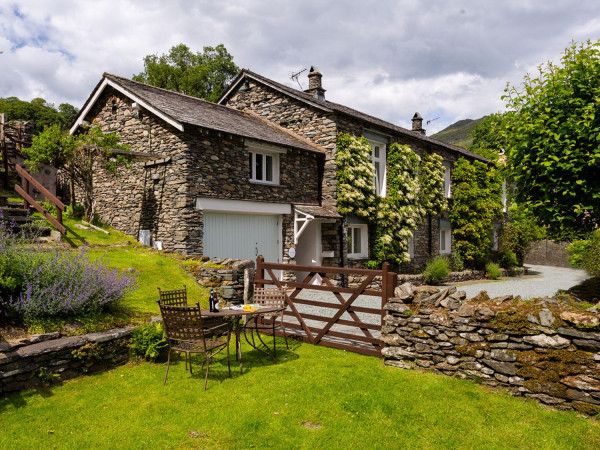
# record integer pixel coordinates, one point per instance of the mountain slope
(459, 133)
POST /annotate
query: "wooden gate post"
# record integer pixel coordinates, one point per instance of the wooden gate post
(385, 282)
(260, 270)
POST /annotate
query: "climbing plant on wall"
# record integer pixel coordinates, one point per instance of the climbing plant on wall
(355, 177)
(406, 203)
(477, 203)
(431, 180)
(400, 211)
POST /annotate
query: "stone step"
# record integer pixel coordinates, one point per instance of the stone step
(13, 211)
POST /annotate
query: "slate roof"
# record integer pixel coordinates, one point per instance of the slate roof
(194, 111)
(336, 107)
(319, 212)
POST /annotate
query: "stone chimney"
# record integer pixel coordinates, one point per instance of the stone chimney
(417, 124)
(314, 83)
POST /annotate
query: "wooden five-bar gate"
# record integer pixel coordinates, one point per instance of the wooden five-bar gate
(357, 334)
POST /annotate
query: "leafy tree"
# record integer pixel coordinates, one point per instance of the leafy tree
(489, 137)
(553, 142)
(203, 74)
(80, 155)
(477, 203)
(41, 113)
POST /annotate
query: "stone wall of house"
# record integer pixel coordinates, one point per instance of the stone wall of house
(47, 358)
(547, 349)
(151, 195)
(225, 275)
(549, 253)
(311, 123)
(159, 193)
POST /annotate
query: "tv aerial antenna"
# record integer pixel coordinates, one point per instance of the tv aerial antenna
(294, 77)
(431, 120)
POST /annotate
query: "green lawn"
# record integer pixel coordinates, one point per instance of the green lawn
(314, 397)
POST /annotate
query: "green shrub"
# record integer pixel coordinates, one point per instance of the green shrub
(148, 341)
(456, 262)
(437, 270)
(577, 250)
(492, 271)
(508, 260)
(74, 212)
(591, 256)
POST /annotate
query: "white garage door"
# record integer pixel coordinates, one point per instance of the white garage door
(241, 236)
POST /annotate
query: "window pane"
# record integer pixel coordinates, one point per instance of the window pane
(357, 240)
(443, 240)
(376, 151)
(269, 167)
(259, 166)
(250, 165)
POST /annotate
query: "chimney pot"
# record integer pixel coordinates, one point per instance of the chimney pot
(417, 124)
(314, 83)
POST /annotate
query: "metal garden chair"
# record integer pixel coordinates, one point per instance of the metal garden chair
(268, 297)
(188, 333)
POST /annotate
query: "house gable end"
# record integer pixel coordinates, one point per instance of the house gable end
(135, 98)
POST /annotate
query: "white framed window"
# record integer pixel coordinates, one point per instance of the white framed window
(264, 166)
(445, 237)
(378, 156)
(358, 241)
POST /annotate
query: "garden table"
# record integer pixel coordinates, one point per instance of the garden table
(237, 314)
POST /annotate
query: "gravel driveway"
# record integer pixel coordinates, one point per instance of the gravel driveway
(542, 281)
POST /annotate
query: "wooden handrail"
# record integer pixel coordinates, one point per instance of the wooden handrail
(29, 200)
(52, 198)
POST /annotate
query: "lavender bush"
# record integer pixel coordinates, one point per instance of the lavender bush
(38, 281)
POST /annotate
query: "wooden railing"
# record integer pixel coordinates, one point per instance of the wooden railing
(370, 344)
(29, 200)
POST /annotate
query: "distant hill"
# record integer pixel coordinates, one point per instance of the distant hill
(458, 133)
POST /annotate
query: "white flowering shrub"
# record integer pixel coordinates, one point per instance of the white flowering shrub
(355, 177)
(431, 175)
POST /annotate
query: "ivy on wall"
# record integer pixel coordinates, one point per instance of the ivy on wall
(431, 180)
(355, 177)
(414, 189)
(476, 204)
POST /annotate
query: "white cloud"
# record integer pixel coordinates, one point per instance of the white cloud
(389, 58)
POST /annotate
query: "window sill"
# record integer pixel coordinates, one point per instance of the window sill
(266, 183)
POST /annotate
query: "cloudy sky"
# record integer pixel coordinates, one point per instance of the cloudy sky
(448, 60)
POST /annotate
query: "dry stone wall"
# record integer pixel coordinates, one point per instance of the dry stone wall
(48, 358)
(547, 349)
(225, 275)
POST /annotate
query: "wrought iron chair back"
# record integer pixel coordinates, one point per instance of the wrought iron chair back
(269, 297)
(176, 297)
